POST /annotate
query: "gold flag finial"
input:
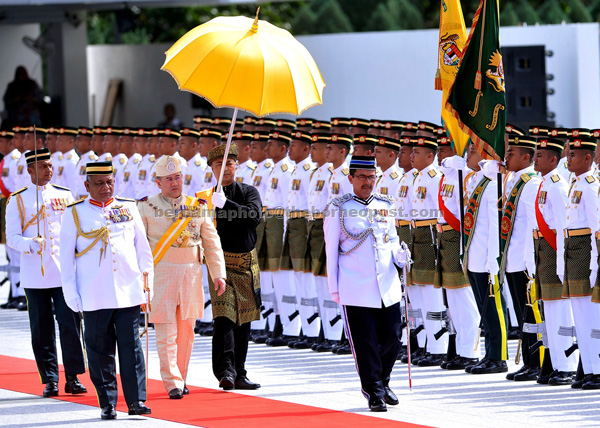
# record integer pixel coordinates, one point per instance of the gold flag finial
(254, 28)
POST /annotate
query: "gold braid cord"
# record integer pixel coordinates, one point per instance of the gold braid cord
(41, 214)
(95, 234)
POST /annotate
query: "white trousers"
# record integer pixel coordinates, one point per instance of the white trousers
(465, 317)
(587, 316)
(558, 313)
(285, 290)
(433, 301)
(308, 303)
(14, 276)
(416, 302)
(269, 301)
(328, 309)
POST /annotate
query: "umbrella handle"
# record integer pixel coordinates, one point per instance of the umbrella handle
(229, 136)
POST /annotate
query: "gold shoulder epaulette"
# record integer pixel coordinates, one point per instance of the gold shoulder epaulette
(76, 202)
(415, 174)
(330, 169)
(306, 167)
(60, 157)
(70, 156)
(284, 167)
(122, 160)
(252, 167)
(198, 163)
(152, 158)
(345, 171)
(61, 187)
(93, 157)
(268, 164)
(525, 177)
(394, 175)
(119, 198)
(15, 156)
(136, 160)
(18, 191)
(108, 158)
(555, 178)
(432, 173)
(590, 179)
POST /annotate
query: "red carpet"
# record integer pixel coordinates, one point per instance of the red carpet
(203, 407)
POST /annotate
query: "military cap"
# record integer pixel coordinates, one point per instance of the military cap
(51, 130)
(559, 132)
(67, 130)
(375, 123)
(111, 130)
(583, 143)
(167, 165)
(367, 139)
(37, 130)
(595, 133)
(260, 136)
(211, 133)
(321, 124)
(189, 132)
(249, 120)
(219, 151)
(170, 133)
(221, 121)
(304, 121)
(85, 131)
(301, 136)
(539, 131)
(395, 125)
(340, 121)
(203, 119)
(428, 142)
(280, 136)
(444, 141)
(19, 129)
(140, 132)
(265, 122)
(362, 162)
(127, 131)
(427, 126)
(388, 143)
(411, 126)
(524, 141)
(549, 143)
(408, 141)
(99, 168)
(242, 135)
(513, 129)
(580, 132)
(285, 123)
(320, 137)
(6, 134)
(37, 155)
(98, 130)
(341, 139)
(360, 123)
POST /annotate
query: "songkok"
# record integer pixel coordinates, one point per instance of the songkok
(265, 122)
(6, 134)
(539, 131)
(33, 156)
(580, 132)
(67, 130)
(444, 141)
(203, 119)
(99, 168)
(260, 136)
(38, 131)
(362, 162)
(170, 133)
(242, 135)
(408, 141)
(427, 126)
(282, 137)
(219, 151)
(360, 123)
(221, 121)
(167, 165)
(550, 144)
(321, 124)
(395, 125)
(86, 132)
(340, 121)
(249, 120)
(559, 132)
(304, 121)
(284, 123)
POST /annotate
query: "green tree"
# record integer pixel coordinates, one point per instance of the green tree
(332, 19)
(527, 13)
(381, 20)
(508, 16)
(578, 12)
(305, 21)
(410, 16)
(358, 11)
(551, 12)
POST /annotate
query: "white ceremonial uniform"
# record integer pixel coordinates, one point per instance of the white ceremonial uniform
(563, 169)
(56, 157)
(79, 176)
(119, 163)
(194, 175)
(389, 180)
(244, 171)
(552, 203)
(425, 207)
(22, 177)
(306, 294)
(260, 177)
(66, 169)
(105, 157)
(276, 197)
(461, 301)
(107, 276)
(143, 176)
(127, 176)
(9, 170)
(582, 212)
(10, 181)
(339, 184)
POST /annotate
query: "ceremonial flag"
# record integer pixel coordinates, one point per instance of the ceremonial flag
(477, 97)
(453, 36)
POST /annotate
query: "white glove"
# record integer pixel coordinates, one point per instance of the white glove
(454, 162)
(403, 256)
(219, 199)
(490, 168)
(593, 278)
(35, 244)
(493, 268)
(75, 304)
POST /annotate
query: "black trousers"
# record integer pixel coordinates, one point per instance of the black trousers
(374, 336)
(495, 321)
(229, 348)
(43, 337)
(517, 284)
(104, 330)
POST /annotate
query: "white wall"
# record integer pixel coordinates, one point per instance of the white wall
(14, 53)
(387, 75)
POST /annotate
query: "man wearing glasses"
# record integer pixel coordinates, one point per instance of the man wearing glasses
(361, 244)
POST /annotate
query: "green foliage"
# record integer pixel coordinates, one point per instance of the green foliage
(381, 19)
(578, 12)
(551, 12)
(508, 16)
(304, 22)
(410, 16)
(332, 19)
(527, 13)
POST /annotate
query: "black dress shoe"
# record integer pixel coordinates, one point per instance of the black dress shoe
(469, 368)
(108, 412)
(490, 366)
(307, 343)
(377, 405)
(325, 346)
(431, 360)
(593, 383)
(389, 397)
(227, 383)
(460, 363)
(175, 394)
(186, 391)
(343, 349)
(511, 376)
(529, 375)
(73, 386)
(261, 338)
(139, 408)
(578, 383)
(544, 379)
(9, 304)
(21, 304)
(445, 362)
(414, 356)
(207, 331)
(243, 382)
(280, 340)
(51, 390)
(561, 378)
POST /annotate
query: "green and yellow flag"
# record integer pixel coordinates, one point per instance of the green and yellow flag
(453, 36)
(477, 98)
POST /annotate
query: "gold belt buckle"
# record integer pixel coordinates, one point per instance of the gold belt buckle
(566, 232)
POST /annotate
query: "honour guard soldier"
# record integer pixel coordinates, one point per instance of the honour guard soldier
(562, 134)
(329, 311)
(581, 284)
(361, 250)
(238, 210)
(201, 122)
(112, 149)
(481, 262)
(67, 165)
(358, 126)
(84, 146)
(517, 263)
(209, 139)
(276, 199)
(304, 124)
(260, 179)
(449, 269)
(104, 257)
(196, 165)
(339, 125)
(30, 134)
(386, 155)
(364, 145)
(550, 212)
(245, 166)
(391, 128)
(294, 257)
(147, 164)
(97, 140)
(40, 273)
(425, 207)
(125, 180)
(179, 232)
(103, 155)
(56, 155)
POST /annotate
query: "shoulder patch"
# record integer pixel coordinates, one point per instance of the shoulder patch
(590, 179)
(284, 167)
(555, 178)
(386, 198)
(18, 191)
(136, 160)
(432, 173)
(525, 177)
(61, 187)
(345, 171)
(330, 169)
(122, 160)
(152, 158)
(93, 157)
(415, 173)
(76, 202)
(15, 156)
(268, 164)
(198, 163)
(60, 157)
(394, 175)
(252, 167)
(119, 198)
(306, 167)
(70, 156)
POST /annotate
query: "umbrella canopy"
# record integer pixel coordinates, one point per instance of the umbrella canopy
(251, 65)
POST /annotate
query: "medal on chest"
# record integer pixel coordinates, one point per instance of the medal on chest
(208, 177)
(239, 179)
(256, 181)
(59, 204)
(383, 190)
(296, 184)
(319, 185)
(274, 182)
(447, 190)
(142, 175)
(120, 215)
(576, 198)
(126, 177)
(335, 188)
(187, 180)
(421, 192)
(542, 198)
(60, 170)
(403, 191)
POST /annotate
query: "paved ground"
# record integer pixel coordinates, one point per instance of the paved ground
(439, 398)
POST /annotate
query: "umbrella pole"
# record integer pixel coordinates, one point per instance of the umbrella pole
(229, 136)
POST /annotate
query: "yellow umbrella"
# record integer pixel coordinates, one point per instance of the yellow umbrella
(244, 64)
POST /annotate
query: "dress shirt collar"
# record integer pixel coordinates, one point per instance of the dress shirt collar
(100, 204)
